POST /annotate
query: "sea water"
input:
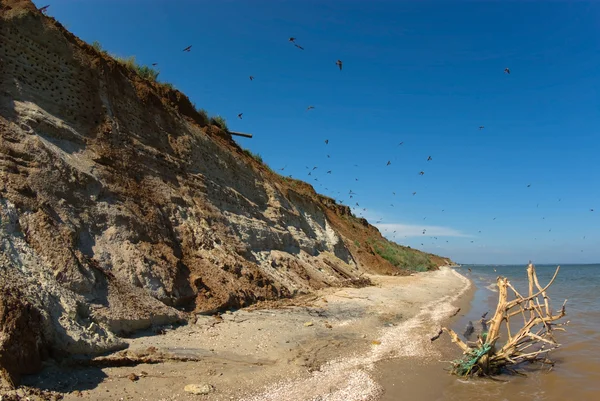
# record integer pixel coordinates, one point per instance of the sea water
(576, 373)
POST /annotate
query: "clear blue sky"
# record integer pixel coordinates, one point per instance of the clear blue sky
(424, 73)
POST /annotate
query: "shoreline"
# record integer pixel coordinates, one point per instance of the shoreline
(330, 346)
(426, 377)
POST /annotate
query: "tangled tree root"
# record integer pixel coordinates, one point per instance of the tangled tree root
(531, 343)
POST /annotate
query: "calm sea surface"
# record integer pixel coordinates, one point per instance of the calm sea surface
(576, 375)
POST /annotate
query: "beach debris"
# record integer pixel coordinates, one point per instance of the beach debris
(376, 342)
(455, 312)
(133, 377)
(308, 324)
(437, 335)
(531, 343)
(469, 330)
(199, 389)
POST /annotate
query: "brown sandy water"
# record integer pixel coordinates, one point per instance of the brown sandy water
(575, 376)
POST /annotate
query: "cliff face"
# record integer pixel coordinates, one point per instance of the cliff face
(120, 210)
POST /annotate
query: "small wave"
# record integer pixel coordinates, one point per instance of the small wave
(492, 287)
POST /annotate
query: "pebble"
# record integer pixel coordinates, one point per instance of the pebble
(198, 389)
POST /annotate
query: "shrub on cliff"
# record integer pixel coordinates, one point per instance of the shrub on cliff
(400, 256)
(142, 70)
(219, 122)
(203, 116)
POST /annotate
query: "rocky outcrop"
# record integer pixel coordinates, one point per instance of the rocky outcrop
(120, 209)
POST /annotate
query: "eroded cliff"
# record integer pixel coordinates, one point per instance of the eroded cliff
(120, 208)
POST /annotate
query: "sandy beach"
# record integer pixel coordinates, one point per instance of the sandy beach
(327, 346)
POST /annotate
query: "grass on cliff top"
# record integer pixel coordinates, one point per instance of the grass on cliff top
(400, 256)
(219, 122)
(143, 71)
(259, 159)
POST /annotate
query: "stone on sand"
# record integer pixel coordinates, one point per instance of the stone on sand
(199, 389)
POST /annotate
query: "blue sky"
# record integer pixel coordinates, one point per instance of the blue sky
(424, 73)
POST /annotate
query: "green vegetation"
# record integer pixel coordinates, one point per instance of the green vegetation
(204, 116)
(143, 71)
(255, 156)
(357, 243)
(259, 159)
(96, 45)
(219, 122)
(401, 256)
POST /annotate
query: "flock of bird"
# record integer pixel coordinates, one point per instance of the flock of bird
(351, 194)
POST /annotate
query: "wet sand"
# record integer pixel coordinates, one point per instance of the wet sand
(330, 347)
(425, 377)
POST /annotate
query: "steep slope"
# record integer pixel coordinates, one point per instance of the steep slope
(120, 208)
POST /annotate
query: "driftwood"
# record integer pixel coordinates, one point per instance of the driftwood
(531, 343)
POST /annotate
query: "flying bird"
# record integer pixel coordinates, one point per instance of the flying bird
(310, 107)
(251, 78)
(507, 70)
(591, 210)
(329, 172)
(326, 141)
(481, 127)
(388, 163)
(154, 64)
(339, 64)
(43, 9)
(292, 39)
(429, 158)
(187, 49)
(240, 115)
(298, 46)
(401, 143)
(421, 173)
(528, 185)
(414, 193)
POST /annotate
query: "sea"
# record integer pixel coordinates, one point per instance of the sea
(576, 371)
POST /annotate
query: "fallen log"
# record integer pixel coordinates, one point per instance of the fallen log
(486, 357)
